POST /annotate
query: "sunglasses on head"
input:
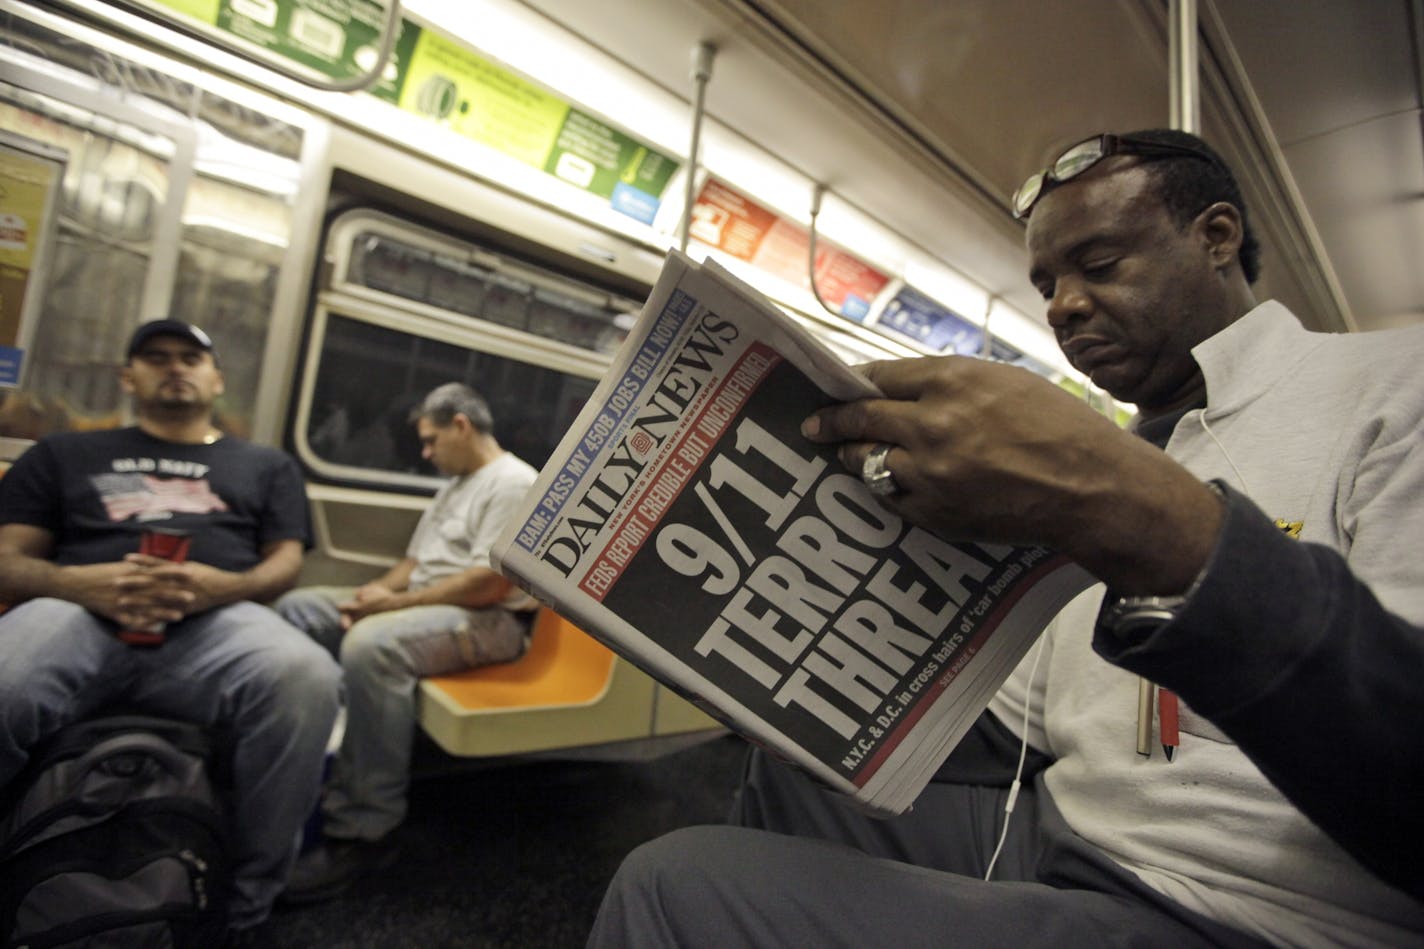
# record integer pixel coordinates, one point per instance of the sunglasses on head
(1087, 153)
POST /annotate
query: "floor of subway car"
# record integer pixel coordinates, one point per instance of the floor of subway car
(516, 855)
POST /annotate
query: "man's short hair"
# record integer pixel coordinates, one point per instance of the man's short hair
(452, 399)
(1188, 186)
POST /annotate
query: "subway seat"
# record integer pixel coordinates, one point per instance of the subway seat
(564, 691)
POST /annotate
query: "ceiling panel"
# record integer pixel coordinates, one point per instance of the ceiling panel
(996, 84)
(1322, 65)
(1365, 185)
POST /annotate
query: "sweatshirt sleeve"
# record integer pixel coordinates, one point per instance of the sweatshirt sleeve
(1296, 660)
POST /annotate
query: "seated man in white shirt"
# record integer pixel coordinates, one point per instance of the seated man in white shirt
(439, 610)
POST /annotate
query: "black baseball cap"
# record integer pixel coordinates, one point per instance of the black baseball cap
(178, 328)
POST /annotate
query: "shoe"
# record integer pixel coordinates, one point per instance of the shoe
(327, 870)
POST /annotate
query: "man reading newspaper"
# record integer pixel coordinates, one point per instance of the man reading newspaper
(1262, 568)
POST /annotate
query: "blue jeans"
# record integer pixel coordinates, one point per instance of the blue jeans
(384, 657)
(238, 666)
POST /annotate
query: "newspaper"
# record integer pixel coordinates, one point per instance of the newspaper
(685, 522)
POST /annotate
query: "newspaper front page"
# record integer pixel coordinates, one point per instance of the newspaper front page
(685, 522)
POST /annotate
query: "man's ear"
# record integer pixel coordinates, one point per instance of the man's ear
(126, 379)
(1222, 230)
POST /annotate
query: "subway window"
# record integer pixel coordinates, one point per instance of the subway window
(370, 377)
(404, 309)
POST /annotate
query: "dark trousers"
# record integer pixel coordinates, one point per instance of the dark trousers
(807, 869)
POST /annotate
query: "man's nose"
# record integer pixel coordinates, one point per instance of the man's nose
(1070, 300)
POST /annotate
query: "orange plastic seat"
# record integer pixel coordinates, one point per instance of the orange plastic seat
(568, 691)
(563, 666)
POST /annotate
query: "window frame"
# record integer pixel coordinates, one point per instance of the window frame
(343, 296)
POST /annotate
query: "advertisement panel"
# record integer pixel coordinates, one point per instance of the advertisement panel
(446, 82)
(728, 220)
(334, 38)
(30, 175)
(915, 316)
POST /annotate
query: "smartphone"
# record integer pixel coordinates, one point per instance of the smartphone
(170, 545)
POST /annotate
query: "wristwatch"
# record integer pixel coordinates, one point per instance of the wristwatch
(1134, 618)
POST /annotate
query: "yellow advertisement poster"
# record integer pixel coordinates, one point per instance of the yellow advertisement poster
(450, 84)
(481, 101)
(28, 183)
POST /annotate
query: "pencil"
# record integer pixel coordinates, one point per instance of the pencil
(1167, 721)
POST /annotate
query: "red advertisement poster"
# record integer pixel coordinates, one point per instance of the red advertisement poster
(736, 225)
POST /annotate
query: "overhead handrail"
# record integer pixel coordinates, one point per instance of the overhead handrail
(1185, 97)
(816, 195)
(701, 75)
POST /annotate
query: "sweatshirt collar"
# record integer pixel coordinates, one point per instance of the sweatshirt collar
(1252, 354)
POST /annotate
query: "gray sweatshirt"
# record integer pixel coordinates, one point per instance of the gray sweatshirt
(1300, 660)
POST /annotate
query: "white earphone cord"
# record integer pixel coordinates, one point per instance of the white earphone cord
(1224, 453)
(1023, 755)
(1033, 674)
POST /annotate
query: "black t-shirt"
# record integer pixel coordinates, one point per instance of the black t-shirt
(97, 492)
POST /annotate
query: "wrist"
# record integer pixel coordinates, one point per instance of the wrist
(88, 585)
(1157, 544)
(1132, 618)
(398, 600)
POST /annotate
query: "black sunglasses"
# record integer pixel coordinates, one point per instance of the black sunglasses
(1087, 153)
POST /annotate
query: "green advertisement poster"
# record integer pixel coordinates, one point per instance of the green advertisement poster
(335, 38)
(610, 164)
(325, 35)
(446, 82)
(450, 84)
(205, 11)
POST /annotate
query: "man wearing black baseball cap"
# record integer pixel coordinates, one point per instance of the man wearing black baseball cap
(94, 621)
(177, 328)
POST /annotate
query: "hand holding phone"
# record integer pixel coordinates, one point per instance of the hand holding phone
(170, 545)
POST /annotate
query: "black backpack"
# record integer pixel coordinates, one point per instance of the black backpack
(114, 836)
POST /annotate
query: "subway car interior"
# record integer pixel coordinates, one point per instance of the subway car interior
(362, 199)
